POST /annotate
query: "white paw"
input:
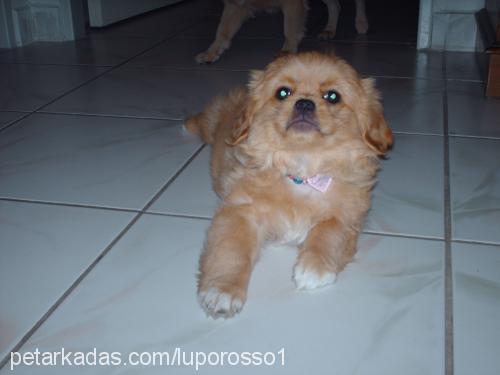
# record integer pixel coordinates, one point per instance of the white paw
(219, 305)
(361, 25)
(207, 57)
(308, 279)
(327, 34)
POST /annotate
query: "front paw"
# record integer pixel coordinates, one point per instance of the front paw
(218, 304)
(361, 25)
(310, 273)
(327, 34)
(207, 57)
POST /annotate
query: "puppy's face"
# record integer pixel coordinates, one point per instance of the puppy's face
(312, 100)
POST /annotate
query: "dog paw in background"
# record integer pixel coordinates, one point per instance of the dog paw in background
(236, 12)
(361, 22)
(334, 8)
(207, 57)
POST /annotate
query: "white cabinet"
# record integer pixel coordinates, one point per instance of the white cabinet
(105, 12)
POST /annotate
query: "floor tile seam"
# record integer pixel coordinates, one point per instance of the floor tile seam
(448, 263)
(114, 116)
(203, 217)
(209, 68)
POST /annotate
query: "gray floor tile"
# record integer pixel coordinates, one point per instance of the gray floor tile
(465, 66)
(87, 51)
(149, 92)
(475, 189)
(180, 53)
(476, 307)
(413, 105)
(27, 87)
(470, 112)
(8, 117)
(381, 59)
(99, 161)
(43, 250)
(142, 297)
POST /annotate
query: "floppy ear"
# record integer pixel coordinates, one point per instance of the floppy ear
(241, 128)
(376, 133)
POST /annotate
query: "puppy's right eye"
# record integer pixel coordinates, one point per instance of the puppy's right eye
(283, 93)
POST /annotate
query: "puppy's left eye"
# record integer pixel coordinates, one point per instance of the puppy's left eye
(283, 93)
(332, 97)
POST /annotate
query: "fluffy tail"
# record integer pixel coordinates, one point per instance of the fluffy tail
(218, 116)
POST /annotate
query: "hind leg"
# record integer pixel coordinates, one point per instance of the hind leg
(361, 20)
(294, 15)
(333, 17)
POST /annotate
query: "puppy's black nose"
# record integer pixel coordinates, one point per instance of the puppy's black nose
(305, 105)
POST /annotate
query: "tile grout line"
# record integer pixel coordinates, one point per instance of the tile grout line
(103, 253)
(132, 117)
(56, 64)
(172, 179)
(207, 218)
(104, 115)
(68, 204)
(167, 118)
(203, 68)
(482, 137)
(178, 216)
(201, 217)
(9, 124)
(448, 271)
(402, 235)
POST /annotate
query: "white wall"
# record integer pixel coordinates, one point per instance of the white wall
(26, 21)
(449, 25)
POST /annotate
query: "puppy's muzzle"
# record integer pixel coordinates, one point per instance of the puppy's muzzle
(304, 116)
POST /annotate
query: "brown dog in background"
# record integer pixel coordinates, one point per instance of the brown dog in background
(294, 159)
(294, 14)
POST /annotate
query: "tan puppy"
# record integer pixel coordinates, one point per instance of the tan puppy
(294, 15)
(294, 159)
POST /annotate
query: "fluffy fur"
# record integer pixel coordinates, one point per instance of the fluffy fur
(258, 140)
(294, 16)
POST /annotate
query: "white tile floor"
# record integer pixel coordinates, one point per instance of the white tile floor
(104, 204)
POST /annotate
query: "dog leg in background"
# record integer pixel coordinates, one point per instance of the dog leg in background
(333, 6)
(361, 20)
(232, 18)
(294, 18)
(227, 261)
(333, 18)
(329, 247)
